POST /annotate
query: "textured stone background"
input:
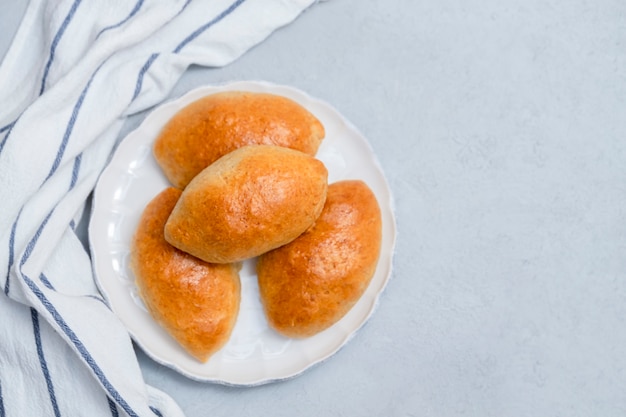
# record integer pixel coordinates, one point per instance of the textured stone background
(501, 126)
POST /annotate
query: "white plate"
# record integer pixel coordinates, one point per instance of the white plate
(254, 354)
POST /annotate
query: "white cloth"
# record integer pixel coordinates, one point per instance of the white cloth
(75, 70)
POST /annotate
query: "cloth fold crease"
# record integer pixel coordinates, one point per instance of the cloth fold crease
(75, 70)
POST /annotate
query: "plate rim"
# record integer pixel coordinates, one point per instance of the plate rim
(182, 100)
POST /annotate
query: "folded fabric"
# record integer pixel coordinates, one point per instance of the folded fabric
(75, 70)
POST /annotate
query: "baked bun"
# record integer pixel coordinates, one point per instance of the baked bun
(217, 124)
(195, 302)
(311, 283)
(252, 200)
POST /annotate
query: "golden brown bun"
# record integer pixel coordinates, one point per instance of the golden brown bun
(215, 125)
(311, 283)
(196, 302)
(251, 200)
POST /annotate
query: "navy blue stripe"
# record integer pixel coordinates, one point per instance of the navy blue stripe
(31, 244)
(55, 43)
(141, 74)
(11, 252)
(46, 282)
(8, 128)
(184, 7)
(204, 27)
(42, 362)
(76, 170)
(70, 126)
(2, 412)
(80, 347)
(156, 411)
(146, 66)
(34, 239)
(113, 408)
(126, 19)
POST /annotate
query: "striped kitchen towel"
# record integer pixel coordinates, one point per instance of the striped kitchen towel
(75, 70)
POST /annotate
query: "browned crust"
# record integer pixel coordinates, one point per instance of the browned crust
(217, 124)
(196, 302)
(311, 283)
(252, 200)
